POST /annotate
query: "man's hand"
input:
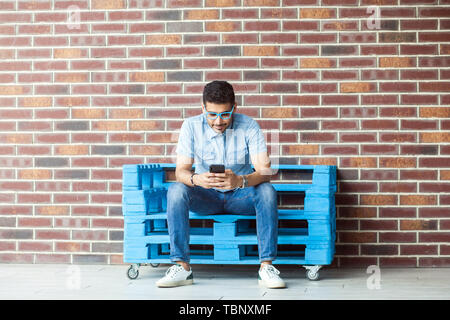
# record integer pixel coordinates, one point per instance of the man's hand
(226, 181)
(205, 180)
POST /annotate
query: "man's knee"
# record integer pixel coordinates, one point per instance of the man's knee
(265, 191)
(177, 191)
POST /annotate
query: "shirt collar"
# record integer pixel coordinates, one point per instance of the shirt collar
(210, 133)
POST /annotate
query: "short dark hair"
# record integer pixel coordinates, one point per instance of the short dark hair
(218, 92)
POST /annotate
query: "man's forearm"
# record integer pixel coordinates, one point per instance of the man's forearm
(184, 176)
(256, 178)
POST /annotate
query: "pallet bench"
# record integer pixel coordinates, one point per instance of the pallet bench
(306, 237)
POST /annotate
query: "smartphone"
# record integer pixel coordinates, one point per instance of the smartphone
(217, 168)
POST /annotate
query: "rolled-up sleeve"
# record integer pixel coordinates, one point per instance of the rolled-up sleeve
(185, 144)
(256, 140)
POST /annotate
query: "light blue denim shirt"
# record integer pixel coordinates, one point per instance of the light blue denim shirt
(232, 148)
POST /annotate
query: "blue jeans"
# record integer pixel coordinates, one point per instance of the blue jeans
(260, 200)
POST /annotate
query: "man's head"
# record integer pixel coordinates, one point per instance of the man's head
(218, 97)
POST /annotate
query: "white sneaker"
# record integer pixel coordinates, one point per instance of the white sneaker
(176, 276)
(268, 277)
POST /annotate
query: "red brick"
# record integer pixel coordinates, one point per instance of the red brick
(419, 99)
(431, 187)
(434, 12)
(418, 49)
(214, 63)
(379, 149)
(340, 25)
(397, 212)
(419, 74)
(318, 137)
(358, 137)
(245, 13)
(35, 222)
(318, 88)
(397, 87)
(107, 223)
(378, 50)
(318, 112)
(333, 150)
(16, 258)
(317, 13)
(418, 24)
(379, 249)
(357, 212)
(397, 237)
(261, 26)
(418, 200)
(359, 187)
(357, 237)
(339, 75)
(418, 249)
(271, 62)
(300, 75)
(96, 235)
(280, 112)
(397, 62)
(397, 112)
(357, 62)
(70, 198)
(379, 174)
(318, 38)
(358, 112)
(434, 162)
(398, 12)
(434, 262)
(303, 149)
(379, 124)
(108, 4)
(434, 86)
(338, 124)
(432, 62)
(317, 63)
(280, 87)
(379, 74)
(213, 3)
(359, 162)
(72, 247)
(340, 100)
(354, 87)
(359, 37)
(304, 100)
(434, 236)
(300, 25)
(303, 51)
(379, 200)
(52, 234)
(278, 38)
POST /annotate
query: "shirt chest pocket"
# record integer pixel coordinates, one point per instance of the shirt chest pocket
(238, 156)
(204, 152)
(208, 156)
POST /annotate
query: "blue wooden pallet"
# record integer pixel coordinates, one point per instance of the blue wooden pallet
(230, 239)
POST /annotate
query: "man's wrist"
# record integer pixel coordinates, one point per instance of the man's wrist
(241, 182)
(192, 179)
(244, 182)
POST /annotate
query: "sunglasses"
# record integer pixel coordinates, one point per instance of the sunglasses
(223, 115)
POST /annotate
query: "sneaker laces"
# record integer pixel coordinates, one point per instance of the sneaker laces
(173, 270)
(271, 271)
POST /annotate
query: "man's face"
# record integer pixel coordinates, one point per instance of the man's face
(219, 125)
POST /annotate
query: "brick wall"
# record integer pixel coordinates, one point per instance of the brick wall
(80, 98)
